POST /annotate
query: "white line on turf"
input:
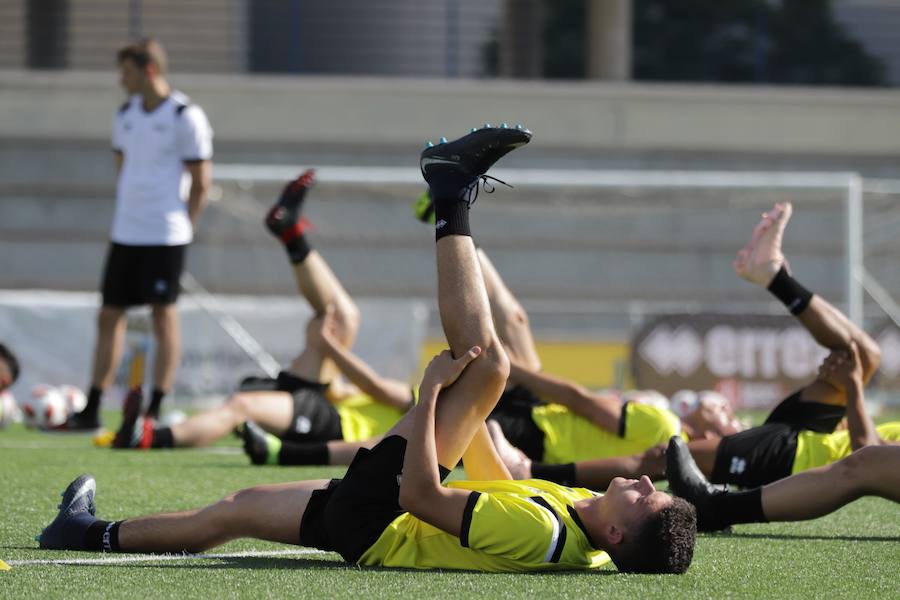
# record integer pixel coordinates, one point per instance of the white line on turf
(144, 558)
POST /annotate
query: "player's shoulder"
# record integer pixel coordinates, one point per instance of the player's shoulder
(126, 106)
(184, 106)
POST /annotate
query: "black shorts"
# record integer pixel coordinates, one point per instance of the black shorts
(315, 419)
(352, 513)
(513, 414)
(138, 275)
(764, 454)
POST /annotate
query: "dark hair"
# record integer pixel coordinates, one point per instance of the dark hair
(11, 361)
(662, 543)
(147, 51)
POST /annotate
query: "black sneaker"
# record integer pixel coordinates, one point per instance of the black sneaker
(453, 167)
(79, 423)
(687, 481)
(283, 219)
(256, 443)
(136, 431)
(76, 513)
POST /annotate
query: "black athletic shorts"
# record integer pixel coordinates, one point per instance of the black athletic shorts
(513, 414)
(315, 419)
(352, 513)
(764, 454)
(138, 275)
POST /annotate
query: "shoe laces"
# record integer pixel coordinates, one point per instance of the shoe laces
(470, 193)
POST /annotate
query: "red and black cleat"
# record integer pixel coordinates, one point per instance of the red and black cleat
(135, 431)
(284, 219)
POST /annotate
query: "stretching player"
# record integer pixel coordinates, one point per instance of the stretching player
(799, 433)
(297, 406)
(391, 508)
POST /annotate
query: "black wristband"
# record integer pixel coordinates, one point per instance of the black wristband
(793, 295)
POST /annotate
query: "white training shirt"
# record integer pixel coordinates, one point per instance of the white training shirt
(151, 192)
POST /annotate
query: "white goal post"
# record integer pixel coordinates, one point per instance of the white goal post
(849, 183)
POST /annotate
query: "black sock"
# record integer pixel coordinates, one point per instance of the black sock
(93, 402)
(561, 474)
(451, 217)
(307, 453)
(102, 536)
(162, 438)
(155, 403)
(297, 248)
(790, 292)
(739, 507)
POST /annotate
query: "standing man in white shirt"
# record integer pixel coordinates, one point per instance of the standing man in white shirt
(163, 149)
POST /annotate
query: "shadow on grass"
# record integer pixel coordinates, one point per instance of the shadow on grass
(824, 538)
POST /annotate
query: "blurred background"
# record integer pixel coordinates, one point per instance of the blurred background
(662, 130)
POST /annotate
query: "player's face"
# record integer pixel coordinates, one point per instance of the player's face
(718, 419)
(131, 77)
(631, 500)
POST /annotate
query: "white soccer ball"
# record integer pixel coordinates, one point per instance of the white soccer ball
(45, 407)
(9, 410)
(75, 398)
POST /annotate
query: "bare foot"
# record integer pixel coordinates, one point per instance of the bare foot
(515, 460)
(761, 258)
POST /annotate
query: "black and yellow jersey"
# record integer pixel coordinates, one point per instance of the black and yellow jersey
(363, 418)
(819, 449)
(571, 438)
(508, 526)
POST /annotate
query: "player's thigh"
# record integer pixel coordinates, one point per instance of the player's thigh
(272, 512)
(273, 411)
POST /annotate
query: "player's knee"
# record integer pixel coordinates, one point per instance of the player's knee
(492, 365)
(854, 468)
(239, 406)
(108, 317)
(348, 318)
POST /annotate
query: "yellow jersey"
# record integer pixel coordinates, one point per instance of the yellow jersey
(363, 418)
(571, 438)
(820, 449)
(508, 526)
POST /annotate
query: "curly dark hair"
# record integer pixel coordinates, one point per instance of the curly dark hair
(662, 543)
(7, 356)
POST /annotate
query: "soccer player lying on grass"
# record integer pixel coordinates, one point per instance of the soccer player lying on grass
(799, 434)
(579, 424)
(307, 402)
(391, 508)
(873, 469)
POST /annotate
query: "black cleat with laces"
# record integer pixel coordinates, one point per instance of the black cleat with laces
(76, 514)
(687, 481)
(454, 169)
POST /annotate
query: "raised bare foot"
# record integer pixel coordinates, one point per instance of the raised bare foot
(761, 258)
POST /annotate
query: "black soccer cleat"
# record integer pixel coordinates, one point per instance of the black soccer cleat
(687, 481)
(136, 431)
(283, 219)
(457, 165)
(255, 443)
(76, 513)
(80, 423)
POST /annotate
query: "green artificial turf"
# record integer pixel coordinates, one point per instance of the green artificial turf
(852, 553)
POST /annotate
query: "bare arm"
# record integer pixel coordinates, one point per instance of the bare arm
(201, 179)
(421, 491)
(603, 411)
(382, 389)
(481, 459)
(843, 370)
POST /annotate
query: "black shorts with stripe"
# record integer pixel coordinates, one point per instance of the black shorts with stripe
(350, 514)
(766, 453)
(139, 275)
